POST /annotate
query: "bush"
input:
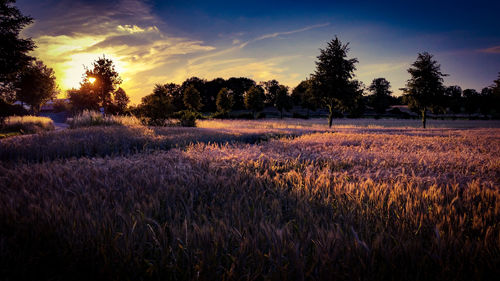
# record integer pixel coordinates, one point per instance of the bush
(27, 124)
(188, 118)
(93, 118)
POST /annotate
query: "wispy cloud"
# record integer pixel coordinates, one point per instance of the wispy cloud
(491, 50)
(276, 34)
(242, 45)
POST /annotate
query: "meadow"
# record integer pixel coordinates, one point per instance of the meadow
(253, 200)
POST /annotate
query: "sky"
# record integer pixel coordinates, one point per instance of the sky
(156, 42)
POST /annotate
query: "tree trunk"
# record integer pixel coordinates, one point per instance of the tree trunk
(330, 119)
(424, 117)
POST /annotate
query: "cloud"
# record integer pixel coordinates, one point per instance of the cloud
(491, 50)
(240, 45)
(276, 34)
(126, 31)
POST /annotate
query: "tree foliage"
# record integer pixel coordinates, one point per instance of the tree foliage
(453, 96)
(106, 82)
(158, 106)
(424, 90)
(332, 78)
(254, 99)
(380, 98)
(283, 101)
(303, 95)
(13, 49)
(192, 98)
(119, 102)
(36, 85)
(224, 101)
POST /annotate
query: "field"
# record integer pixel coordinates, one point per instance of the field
(253, 200)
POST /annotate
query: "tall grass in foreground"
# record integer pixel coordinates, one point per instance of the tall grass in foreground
(358, 205)
(27, 124)
(93, 118)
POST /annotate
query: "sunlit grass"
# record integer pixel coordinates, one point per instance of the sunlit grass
(27, 124)
(93, 118)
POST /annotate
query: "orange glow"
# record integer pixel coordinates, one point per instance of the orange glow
(91, 80)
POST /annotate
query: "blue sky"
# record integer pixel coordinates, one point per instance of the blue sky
(169, 41)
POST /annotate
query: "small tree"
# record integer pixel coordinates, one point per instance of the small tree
(282, 101)
(105, 78)
(192, 98)
(380, 98)
(332, 78)
(224, 101)
(254, 99)
(36, 85)
(425, 87)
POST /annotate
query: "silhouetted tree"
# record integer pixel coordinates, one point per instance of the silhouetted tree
(83, 98)
(192, 99)
(120, 102)
(271, 89)
(332, 78)
(36, 85)
(425, 87)
(106, 80)
(254, 99)
(303, 95)
(453, 96)
(282, 100)
(495, 96)
(200, 85)
(239, 86)
(158, 106)
(209, 93)
(224, 101)
(486, 102)
(471, 101)
(13, 50)
(380, 98)
(355, 105)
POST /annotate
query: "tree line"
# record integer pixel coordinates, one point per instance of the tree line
(332, 87)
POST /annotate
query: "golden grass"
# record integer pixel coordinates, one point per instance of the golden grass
(93, 118)
(27, 124)
(355, 204)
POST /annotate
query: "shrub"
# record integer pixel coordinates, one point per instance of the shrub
(93, 118)
(27, 124)
(188, 118)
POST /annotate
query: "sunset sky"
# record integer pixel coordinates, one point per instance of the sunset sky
(168, 41)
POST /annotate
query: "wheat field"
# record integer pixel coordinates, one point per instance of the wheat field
(236, 200)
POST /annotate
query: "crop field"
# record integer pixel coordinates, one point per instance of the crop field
(253, 200)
